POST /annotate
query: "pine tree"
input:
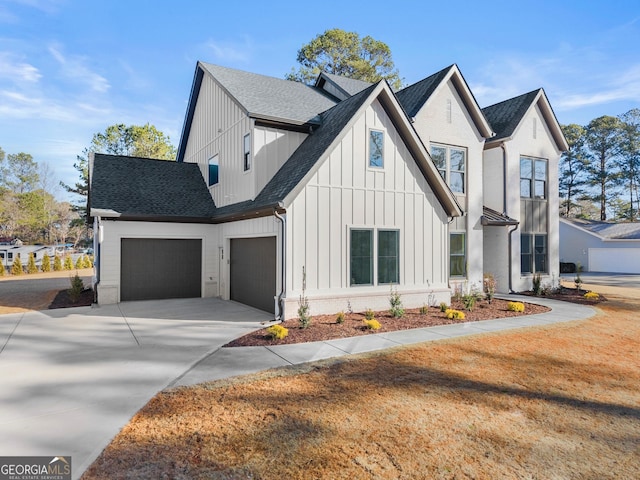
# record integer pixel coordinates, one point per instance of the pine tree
(87, 261)
(57, 263)
(46, 263)
(2, 270)
(68, 262)
(16, 268)
(79, 262)
(31, 264)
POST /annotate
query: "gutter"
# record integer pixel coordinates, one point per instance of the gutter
(515, 227)
(283, 265)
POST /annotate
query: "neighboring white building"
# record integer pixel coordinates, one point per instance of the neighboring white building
(600, 246)
(283, 189)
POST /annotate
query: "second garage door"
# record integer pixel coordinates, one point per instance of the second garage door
(157, 268)
(253, 272)
(614, 260)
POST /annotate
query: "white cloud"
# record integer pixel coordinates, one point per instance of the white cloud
(74, 67)
(16, 70)
(230, 51)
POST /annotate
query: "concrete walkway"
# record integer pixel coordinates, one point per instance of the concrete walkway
(71, 379)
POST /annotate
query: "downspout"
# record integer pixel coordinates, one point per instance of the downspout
(96, 256)
(515, 227)
(283, 265)
(504, 211)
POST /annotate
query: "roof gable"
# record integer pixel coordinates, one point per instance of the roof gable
(414, 97)
(132, 187)
(505, 117)
(344, 85)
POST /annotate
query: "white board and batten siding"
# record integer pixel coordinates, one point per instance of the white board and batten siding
(218, 128)
(345, 193)
(112, 232)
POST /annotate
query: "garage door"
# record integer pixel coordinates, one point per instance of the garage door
(614, 260)
(156, 268)
(253, 272)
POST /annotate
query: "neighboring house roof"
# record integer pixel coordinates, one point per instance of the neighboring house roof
(606, 230)
(505, 117)
(141, 188)
(493, 218)
(348, 86)
(414, 97)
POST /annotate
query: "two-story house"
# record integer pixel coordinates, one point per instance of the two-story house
(338, 191)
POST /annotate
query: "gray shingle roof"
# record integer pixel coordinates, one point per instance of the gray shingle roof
(609, 230)
(144, 187)
(349, 86)
(505, 116)
(272, 98)
(305, 157)
(413, 97)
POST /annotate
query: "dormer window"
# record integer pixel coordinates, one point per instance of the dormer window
(376, 148)
(247, 152)
(214, 174)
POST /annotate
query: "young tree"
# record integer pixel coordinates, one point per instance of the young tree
(603, 138)
(31, 264)
(573, 166)
(16, 268)
(68, 262)
(629, 160)
(46, 263)
(2, 270)
(57, 263)
(345, 53)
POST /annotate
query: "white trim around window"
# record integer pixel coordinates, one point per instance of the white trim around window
(375, 149)
(374, 256)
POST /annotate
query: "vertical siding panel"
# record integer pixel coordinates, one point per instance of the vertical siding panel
(407, 239)
(379, 208)
(299, 234)
(418, 246)
(347, 159)
(335, 241)
(389, 208)
(370, 207)
(311, 220)
(335, 169)
(358, 207)
(324, 237)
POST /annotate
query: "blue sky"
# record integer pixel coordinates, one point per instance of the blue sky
(70, 68)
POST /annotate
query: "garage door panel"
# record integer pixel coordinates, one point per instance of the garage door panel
(253, 272)
(614, 260)
(153, 268)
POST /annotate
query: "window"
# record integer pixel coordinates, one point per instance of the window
(451, 163)
(361, 257)
(533, 253)
(247, 152)
(533, 178)
(214, 174)
(388, 256)
(376, 148)
(457, 255)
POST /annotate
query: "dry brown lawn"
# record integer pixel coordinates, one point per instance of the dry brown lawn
(559, 402)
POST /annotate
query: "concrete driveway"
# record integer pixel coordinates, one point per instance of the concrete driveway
(71, 378)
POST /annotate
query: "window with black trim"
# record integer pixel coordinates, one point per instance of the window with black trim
(533, 178)
(533, 253)
(361, 257)
(451, 162)
(246, 147)
(386, 252)
(388, 256)
(376, 148)
(214, 173)
(457, 255)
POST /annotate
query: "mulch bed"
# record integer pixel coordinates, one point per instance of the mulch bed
(566, 294)
(63, 300)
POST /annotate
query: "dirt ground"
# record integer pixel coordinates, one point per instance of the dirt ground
(36, 291)
(556, 402)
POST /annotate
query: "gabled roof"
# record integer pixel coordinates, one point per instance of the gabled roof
(606, 230)
(142, 188)
(414, 97)
(506, 116)
(347, 86)
(493, 218)
(294, 174)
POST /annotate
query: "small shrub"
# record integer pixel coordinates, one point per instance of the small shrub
(304, 316)
(31, 264)
(490, 285)
(80, 262)
(537, 285)
(443, 307)
(515, 307)
(2, 270)
(340, 317)
(77, 286)
(349, 308)
(452, 314)
(16, 268)
(578, 279)
(277, 332)
(68, 262)
(592, 296)
(46, 263)
(372, 324)
(86, 261)
(57, 263)
(457, 292)
(424, 309)
(469, 300)
(369, 314)
(395, 300)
